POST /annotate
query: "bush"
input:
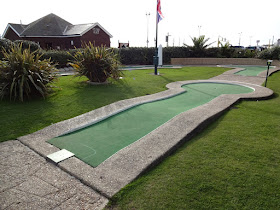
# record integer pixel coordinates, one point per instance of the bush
(60, 57)
(26, 44)
(144, 56)
(273, 53)
(250, 53)
(136, 55)
(97, 63)
(175, 52)
(5, 44)
(214, 52)
(23, 75)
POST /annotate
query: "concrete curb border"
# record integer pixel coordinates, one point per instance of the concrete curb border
(130, 162)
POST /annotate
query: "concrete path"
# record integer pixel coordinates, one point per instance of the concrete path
(28, 181)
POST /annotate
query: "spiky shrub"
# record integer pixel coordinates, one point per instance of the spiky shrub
(96, 63)
(23, 75)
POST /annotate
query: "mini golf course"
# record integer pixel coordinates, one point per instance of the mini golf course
(99, 141)
(250, 70)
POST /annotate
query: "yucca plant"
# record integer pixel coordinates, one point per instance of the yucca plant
(96, 63)
(23, 75)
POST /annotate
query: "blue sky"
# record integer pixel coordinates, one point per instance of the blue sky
(126, 20)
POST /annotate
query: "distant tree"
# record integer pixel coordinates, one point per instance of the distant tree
(199, 45)
(226, 50)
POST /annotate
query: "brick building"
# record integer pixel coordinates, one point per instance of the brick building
(53, 32)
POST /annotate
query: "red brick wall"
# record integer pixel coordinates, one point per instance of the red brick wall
(98, 39)
(11, 35)
(65, 42)
(56, 42)
(220, 61)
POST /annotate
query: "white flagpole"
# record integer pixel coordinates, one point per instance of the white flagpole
(156, 51)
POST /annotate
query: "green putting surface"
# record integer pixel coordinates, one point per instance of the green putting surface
(99, 141)
(250, 70)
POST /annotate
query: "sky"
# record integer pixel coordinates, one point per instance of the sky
(244, 21)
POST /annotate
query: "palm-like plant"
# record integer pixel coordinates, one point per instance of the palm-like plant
(225, 50)
(199, 45)
(97, 63)
(23, 74)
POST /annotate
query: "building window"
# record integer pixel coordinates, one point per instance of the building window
(96, 30)
(72, 42)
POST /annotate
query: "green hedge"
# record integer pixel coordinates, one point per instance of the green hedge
(273, 53)
(6, 45)
(26, 44)
(59, 57)
(144, 56)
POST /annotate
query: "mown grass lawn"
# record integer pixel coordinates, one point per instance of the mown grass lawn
(233, 164)
(74, 97)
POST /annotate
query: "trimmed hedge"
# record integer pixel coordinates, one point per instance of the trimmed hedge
(273, 53)
(26, 44)
(59, 57)
(6, 45)
(136, 55)
(144, 56)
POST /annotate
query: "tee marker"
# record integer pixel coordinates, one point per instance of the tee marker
(60, 156)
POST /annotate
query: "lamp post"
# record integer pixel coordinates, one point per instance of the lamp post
(167, 39)
(258, 41)
(199, 27)
(147, 16)
(240, 38)
(268, 64)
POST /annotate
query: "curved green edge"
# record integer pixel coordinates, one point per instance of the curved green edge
(99, 141)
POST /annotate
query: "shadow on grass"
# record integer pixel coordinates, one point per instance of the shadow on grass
(23, 118)
(167, 79)
(96, 96)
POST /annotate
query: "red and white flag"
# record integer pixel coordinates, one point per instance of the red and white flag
(159, 13)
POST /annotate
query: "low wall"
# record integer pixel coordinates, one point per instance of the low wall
(221, 61)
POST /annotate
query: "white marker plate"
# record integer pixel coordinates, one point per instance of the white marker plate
(60, 155)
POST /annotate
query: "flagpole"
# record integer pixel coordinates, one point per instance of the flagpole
(156, 50)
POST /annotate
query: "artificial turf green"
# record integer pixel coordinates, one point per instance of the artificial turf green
(251, 70)
(73, 96)
(233, 164)
(97, 142)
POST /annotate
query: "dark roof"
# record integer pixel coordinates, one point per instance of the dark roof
(77, 29)
(19, 28)
(52, 25)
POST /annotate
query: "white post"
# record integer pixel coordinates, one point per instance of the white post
(160, 55)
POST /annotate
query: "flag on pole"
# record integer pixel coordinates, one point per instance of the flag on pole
(159, 17)
(159, 13)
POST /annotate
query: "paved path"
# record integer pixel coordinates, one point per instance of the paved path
(28, 181)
